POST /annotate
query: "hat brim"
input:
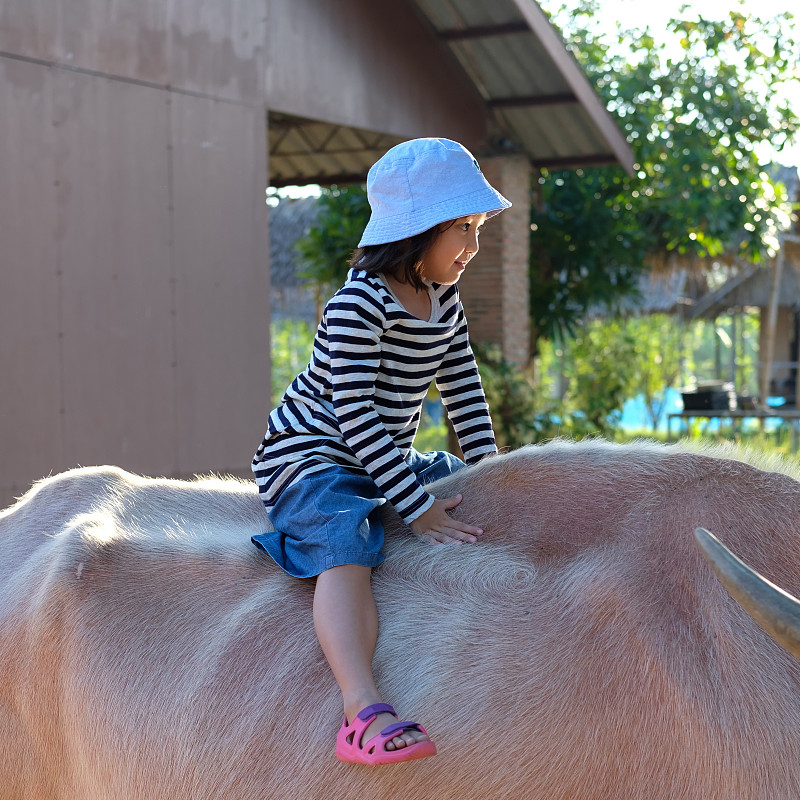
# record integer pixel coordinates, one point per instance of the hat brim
(401, 226)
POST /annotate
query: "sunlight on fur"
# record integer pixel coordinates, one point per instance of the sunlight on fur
(149, 650)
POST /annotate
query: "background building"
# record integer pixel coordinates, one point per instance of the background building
(137, 139)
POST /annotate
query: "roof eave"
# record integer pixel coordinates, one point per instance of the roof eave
(585, 93)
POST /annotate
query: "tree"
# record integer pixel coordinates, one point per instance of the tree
(603, 372)
(695, 116)
(694, 106)
(329, 243)
(657, 360)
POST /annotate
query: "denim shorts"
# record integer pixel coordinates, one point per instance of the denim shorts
(333, 517)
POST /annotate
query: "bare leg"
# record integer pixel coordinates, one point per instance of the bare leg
(346, 622)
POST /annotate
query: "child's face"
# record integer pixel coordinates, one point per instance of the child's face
(454, 247)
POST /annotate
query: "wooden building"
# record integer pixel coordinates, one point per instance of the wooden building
(774, 289)
(137, 139)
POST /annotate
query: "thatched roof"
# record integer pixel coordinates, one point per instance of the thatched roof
(289, 221)
(660, 292)
(752, 286)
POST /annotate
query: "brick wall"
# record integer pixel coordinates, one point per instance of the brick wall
(495, 288)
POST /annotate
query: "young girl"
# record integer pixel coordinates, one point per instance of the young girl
(339, 445)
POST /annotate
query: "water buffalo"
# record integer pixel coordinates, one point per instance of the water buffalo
(583, 649)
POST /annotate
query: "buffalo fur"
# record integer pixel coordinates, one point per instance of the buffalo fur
(582, 649)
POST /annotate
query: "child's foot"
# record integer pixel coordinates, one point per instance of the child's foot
(378, 721)
(405, 738)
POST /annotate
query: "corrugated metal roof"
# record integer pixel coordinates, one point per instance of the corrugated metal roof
(309, 151)
(541, 101)
(538, 99)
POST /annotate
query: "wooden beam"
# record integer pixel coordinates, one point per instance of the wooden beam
(373, 153)
(571, 162)
(553, 45)
(483, 31)
(534, 100)
(320, 180)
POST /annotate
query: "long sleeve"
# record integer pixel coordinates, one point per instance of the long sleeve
(359, 401)
(459, 384)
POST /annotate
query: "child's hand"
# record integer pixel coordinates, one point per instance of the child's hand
(438, 526)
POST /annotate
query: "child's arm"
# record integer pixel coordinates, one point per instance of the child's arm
(459, 384)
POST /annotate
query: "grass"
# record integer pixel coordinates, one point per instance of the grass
(778, 441)
(291, 347)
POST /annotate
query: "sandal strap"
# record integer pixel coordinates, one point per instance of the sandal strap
(374, 710)
(399, 727)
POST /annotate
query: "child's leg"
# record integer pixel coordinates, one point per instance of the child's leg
(346, 622)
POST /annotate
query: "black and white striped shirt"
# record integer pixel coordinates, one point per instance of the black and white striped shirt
(358, 403)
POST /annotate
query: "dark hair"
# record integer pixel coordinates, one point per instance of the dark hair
(402, 260)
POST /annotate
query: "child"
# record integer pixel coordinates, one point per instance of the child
(339, 445)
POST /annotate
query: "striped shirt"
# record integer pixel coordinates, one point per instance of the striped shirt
(359, 401)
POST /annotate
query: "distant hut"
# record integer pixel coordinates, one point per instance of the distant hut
(775, 290)
(291, 296)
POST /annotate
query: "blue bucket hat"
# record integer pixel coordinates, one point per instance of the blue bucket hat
(422, 183)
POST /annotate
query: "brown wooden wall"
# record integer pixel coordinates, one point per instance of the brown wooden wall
(134, 303)
(134, 308)
(215, 49)
(371, 64)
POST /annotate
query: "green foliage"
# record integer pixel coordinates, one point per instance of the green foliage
(290, 352)
(612, 361)
(583, 383)
(656, 359)
(587, 249)
(432, 433)
(603, 373)
(326, 249)
(521, 413)
(694, 107)
(511, 397)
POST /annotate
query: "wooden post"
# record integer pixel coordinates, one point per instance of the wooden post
(790, 237)
(797, 368)
(772, 322)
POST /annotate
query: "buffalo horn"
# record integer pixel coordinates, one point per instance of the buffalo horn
(775, 610)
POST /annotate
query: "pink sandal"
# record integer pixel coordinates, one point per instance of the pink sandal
(350, 748)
